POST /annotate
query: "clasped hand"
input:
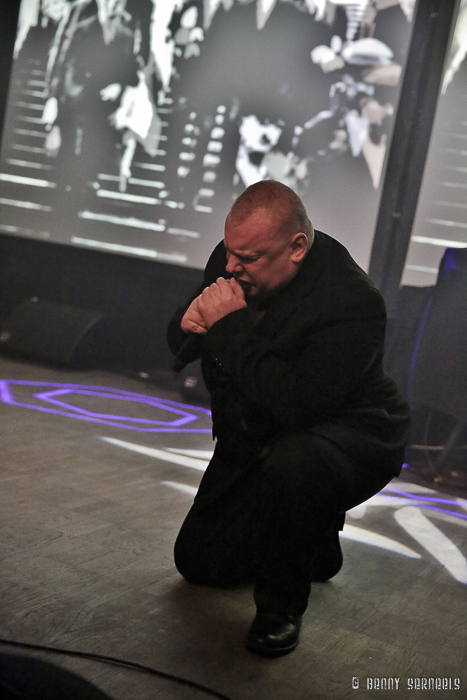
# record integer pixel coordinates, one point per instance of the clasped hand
(216, 301)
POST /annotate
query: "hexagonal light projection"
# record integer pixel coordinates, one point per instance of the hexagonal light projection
(52, 398)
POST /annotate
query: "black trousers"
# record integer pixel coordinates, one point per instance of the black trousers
(273, 524)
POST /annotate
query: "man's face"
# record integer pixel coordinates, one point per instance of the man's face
(260, 259)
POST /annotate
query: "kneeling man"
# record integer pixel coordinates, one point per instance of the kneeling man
(290, 331)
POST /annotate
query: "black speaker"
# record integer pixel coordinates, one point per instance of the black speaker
(439, 369)
(51, 332)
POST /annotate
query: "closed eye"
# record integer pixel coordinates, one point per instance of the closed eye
(244, 259)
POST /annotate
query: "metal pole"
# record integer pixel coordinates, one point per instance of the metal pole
(409, 146)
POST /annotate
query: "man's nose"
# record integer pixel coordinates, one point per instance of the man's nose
(233, 265)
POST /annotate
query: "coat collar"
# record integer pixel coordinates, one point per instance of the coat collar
(280, 306)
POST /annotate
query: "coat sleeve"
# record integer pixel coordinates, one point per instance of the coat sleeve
(215, 268)
(310, 373)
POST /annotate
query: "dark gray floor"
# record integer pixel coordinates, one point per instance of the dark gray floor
(87, 532)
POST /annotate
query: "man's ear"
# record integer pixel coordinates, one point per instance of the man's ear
(299, 247)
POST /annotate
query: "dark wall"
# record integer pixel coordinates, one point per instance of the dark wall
(138, 297)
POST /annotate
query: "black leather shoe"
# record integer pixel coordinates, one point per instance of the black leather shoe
(273, 634)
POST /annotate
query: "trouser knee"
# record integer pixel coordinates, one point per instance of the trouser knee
(301, 462)
(209, 553)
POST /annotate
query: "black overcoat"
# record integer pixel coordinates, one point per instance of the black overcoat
(313, 363)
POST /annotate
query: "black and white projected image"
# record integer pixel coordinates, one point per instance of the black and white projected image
(132, 125)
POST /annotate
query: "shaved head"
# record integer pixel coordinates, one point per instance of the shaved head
(267, 236)
(283, 205)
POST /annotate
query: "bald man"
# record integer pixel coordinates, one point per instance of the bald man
(291, 335)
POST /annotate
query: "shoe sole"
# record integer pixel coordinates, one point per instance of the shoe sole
(270, 651)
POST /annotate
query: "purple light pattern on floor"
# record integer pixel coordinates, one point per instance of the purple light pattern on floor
(174, 426)
(188, 414)
(47, 396)
(425, 506)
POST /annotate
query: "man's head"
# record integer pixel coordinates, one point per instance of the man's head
(267, 235)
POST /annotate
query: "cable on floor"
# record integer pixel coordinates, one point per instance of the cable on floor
(119, 662)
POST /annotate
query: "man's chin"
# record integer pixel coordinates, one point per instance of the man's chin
(249, 290)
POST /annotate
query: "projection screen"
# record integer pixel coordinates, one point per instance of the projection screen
(132, 125)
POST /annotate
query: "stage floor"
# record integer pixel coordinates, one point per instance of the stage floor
(98, 472)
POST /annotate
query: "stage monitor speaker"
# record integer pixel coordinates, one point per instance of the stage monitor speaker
(54, 333)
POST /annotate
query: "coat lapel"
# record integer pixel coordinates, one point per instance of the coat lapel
(281, 307)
